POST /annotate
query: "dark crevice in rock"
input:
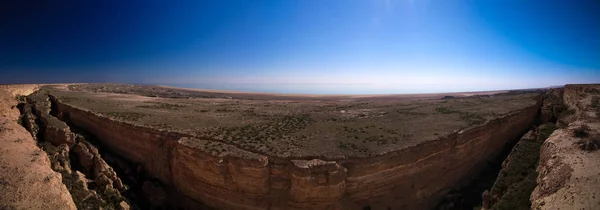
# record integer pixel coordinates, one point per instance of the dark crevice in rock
(60, 144)
(517, 179)
(472, 194)
(144, 191)
(469, 195)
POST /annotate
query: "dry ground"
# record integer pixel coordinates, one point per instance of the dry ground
(294, 125)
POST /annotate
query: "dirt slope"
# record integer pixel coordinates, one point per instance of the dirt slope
(26, 179)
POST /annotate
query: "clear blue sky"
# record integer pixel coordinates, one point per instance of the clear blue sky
(305, 46)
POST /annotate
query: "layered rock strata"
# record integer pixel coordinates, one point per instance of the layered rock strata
(230, 178)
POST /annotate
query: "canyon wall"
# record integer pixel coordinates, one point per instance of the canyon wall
(230, 178)
(26, 178)
(153, 148)
(417, 177)
(569, 166)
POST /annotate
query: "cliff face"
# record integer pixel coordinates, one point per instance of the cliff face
(236, 181)
(569, 167)
(60, 143)
(26, 179)
(410, 178)
(230, 178)
(138, 144)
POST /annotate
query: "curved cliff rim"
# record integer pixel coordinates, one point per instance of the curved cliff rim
(451, 135)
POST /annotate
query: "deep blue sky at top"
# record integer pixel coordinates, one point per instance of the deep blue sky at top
(314, 46)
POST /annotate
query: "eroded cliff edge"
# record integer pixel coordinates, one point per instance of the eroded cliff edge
(230, 178)
(569, 167)
(26, 178)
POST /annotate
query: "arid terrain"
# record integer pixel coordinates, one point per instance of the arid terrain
(121, 146)
(26, 179)
(332, 127)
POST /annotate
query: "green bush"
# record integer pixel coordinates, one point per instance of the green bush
(472, 118)
(444, 110)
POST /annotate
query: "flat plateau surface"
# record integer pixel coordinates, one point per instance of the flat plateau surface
(293, 125)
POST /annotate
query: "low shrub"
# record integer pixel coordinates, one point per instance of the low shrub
(581, 131)
(444, 110)
(472, 118)
(589, 144)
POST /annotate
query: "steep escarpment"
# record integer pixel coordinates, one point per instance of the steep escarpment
(516, 179)
(26, 179)
(91, 182)
(569, 166)
(222, 175)
(405, 179)
(224, 178)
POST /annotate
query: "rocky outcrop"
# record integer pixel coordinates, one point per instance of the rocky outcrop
(327, 178)
(53, 130)
(18, 90)
(26, 178)
(223, 176)
(93, 164)
(231, 179)
(552, 106)
(61, 144)
(569, 176)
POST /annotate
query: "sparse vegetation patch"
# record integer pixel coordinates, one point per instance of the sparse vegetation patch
(589, 144)
(472, 118)
(129, 116)
(166, 106)
(445, 110)
(581, 131)
(516, 180)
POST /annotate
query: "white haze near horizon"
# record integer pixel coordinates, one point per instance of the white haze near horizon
(364, 84)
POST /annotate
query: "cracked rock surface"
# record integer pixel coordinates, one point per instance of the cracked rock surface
(26, 178)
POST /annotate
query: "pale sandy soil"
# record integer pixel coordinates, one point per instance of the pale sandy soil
(573, 175)
(26, 179)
